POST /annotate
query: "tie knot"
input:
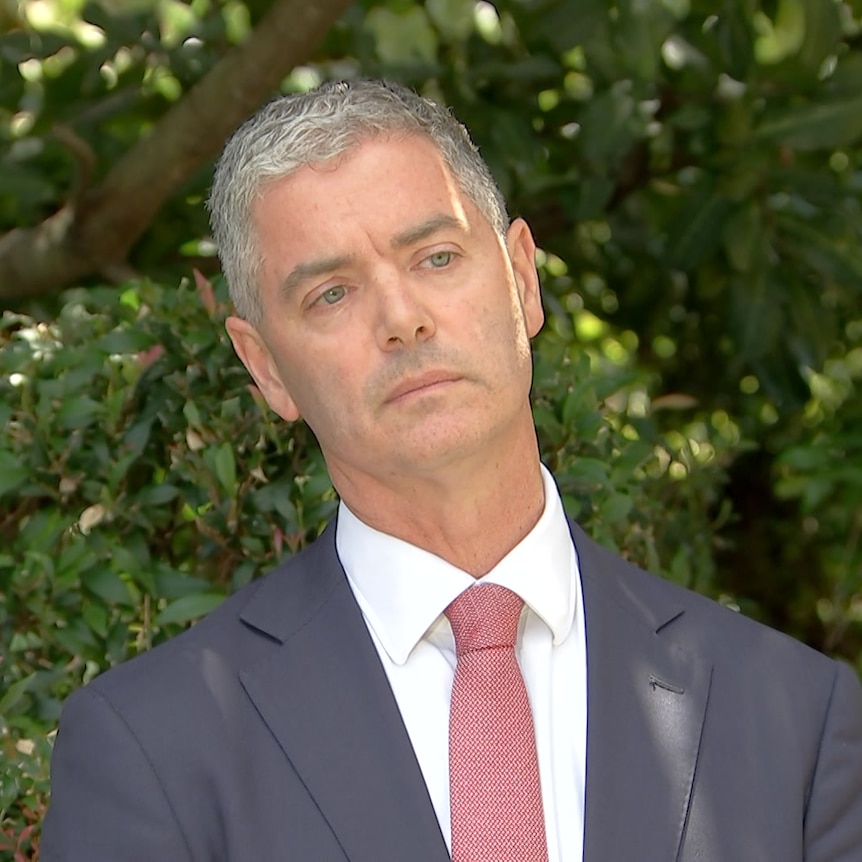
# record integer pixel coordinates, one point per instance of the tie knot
(483, 617)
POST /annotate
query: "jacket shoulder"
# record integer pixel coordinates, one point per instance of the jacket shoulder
(721, 632)
(229, 637)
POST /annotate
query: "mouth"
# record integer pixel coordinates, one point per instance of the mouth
(422, 384)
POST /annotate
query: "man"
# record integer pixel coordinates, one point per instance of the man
(383, 296)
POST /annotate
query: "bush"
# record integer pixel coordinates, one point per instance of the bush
(140, 482)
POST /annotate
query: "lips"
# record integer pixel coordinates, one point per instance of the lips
(415, 385)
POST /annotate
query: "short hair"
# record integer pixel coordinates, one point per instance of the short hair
(300, 129)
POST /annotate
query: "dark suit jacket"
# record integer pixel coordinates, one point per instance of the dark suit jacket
(269, 732)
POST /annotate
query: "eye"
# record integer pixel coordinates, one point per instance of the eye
(439, 259)
(332, 294)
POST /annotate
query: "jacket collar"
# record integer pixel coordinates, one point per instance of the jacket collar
(326, 699)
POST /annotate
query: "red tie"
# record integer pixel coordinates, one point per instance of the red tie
(496, 796)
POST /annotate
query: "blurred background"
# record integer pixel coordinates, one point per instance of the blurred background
(692, 172)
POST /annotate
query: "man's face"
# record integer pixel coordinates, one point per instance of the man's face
(396, 322)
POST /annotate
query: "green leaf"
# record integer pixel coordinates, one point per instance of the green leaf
(14, 693)
(735, 39)
(515, 138)
(562, 25)
(157, 495)
(589, 470)
(402, 38)
(79, 412)
(108, 585)
(453, 18)
(786, 35)
(193, 415)
(822, 33)
(13, 472)
(820, 125)
(588, 425)
(697, 229)
(591, 196)
(615, 508)
(138, 435)
(75, 558)
(581, 400)
(609, 127)
(757, 319)
(634, 456)
(133, 558)
(610, 385)
(171, 584)
(76, 638)
(189, 608)
(124, 341)
(806, 458)
(225, 465)
(743, 238)
(96, 618)
(833, 259)
(275, 497)
(244, 573)
(815, 492)
(641, 30)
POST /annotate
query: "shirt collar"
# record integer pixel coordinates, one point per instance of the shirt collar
(402, 589)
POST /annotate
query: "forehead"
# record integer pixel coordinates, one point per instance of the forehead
(380, 181)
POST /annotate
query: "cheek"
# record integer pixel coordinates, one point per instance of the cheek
(499, 323)
(325, 392)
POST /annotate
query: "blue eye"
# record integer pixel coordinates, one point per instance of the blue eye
(333, 294)
(440, 259)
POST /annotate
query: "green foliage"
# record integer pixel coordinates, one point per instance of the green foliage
(24, 790)
(143, 481)
(649, 495)
(819, 467)
(140, 481)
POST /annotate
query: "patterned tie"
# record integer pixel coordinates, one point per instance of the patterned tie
(496, 797)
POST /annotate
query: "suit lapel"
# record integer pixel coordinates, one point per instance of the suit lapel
(324, 695)
(645, 711)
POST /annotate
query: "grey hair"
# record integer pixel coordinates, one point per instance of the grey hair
(296, 130)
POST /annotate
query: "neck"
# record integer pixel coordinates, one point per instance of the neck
(470, 515)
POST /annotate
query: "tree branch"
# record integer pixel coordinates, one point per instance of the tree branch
(96, 231)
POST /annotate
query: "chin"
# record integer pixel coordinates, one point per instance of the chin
(443, 448)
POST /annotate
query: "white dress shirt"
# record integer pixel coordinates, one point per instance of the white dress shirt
(403, 590)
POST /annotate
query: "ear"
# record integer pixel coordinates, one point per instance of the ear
(522, 254)
(252, 350)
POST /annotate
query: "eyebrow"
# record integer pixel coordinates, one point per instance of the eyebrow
(427, 228)
(311, 269)
(303, 272)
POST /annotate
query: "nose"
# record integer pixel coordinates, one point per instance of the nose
(404, 319)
